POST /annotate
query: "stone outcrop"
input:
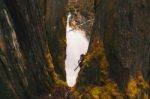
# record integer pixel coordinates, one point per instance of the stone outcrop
(54, 17)
(25, 57)
(122, 30)
(26, 66)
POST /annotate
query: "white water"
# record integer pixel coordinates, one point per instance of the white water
(77, 44)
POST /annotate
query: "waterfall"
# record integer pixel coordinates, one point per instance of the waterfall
(77, 44)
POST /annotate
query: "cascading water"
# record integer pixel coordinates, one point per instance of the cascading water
(77, 44)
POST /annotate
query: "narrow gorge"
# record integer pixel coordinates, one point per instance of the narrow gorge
(42, 41)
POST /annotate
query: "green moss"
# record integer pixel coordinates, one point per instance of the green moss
(108, 91)
(96, 91)
(59, 82)
(49, 61)
(137, 86)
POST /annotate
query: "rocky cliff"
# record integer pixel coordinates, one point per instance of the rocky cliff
(33, 45)
(26, 58)
(122, 28)
(54, 17)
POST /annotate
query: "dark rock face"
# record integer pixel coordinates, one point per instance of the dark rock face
(90, 74)
(33, 39)
(26, 69)
(121, 29)
(54, 14)
(124, 26)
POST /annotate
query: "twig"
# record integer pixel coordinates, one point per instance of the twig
(81, 24)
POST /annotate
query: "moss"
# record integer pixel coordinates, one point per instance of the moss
(145, 96)
(94, 54)
(49, 61)
(58, 85)
(59, 82)
(132, 88)
(137, 87)
(108, 91)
